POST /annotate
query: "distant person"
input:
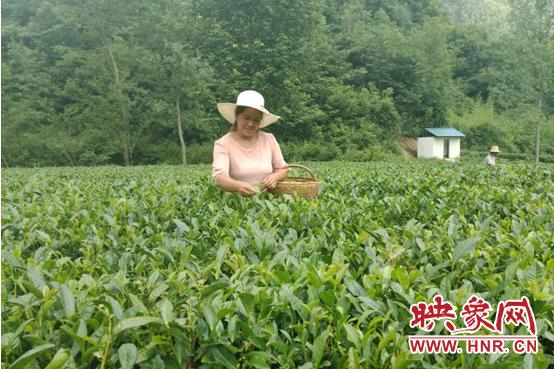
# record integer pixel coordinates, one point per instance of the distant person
(246, 156)
(490, 159)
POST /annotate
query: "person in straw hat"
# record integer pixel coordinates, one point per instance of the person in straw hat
(490, 159)
(246, 156)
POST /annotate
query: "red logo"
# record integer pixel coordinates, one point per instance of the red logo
(476, 315)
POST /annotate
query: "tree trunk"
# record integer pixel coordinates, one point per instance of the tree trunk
(541, 114)
(68, 157)
(125, 133)
(538, 131)
(180, 130)
(537, 142)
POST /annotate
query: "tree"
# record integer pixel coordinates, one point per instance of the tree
(278, 48)
(184, 78)
(532, 22)
(491, 16)
(107, 22)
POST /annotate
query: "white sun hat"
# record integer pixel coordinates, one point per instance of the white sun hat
(251, 99)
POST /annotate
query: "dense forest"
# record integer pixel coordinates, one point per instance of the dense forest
(93, 82)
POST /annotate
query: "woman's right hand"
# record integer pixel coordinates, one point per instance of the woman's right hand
(228, 184)
(246, 189)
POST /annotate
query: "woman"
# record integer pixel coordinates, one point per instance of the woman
(246, 156)
(490, 159)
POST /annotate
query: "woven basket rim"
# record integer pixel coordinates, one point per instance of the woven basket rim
(307, 187)
(298, 179)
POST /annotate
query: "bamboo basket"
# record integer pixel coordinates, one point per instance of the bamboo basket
(306, 187)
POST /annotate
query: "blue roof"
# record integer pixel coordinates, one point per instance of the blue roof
(445, 132)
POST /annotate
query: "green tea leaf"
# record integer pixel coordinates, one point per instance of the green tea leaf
(258, 359)
(352, 334)
(318, 348)
(59, 360)
(116, 307)
(30, 355)
(181, 226)
(127, 355)
(157, 292)
(135, 322)
(214, 287)
(68, 300)
(35, 275)
(210, 315)
(224, 356)
(465, 247)
(166, 311)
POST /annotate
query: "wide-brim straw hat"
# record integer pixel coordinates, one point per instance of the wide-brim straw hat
(251, 99)
(494, 149)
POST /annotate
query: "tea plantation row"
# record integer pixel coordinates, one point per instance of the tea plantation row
(154, 267)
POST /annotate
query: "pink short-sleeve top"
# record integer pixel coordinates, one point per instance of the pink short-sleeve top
(249, 165)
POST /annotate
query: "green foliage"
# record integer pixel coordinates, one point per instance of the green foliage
(483, 127)
(99, 82)
(200, 153)
(371, 153)
(310, 150)
(490, 15)
(478, 156)
(154, 267)
(513, 132)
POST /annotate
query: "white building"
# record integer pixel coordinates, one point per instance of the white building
(441, 143)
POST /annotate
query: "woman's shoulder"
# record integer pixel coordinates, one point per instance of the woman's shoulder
(224, 140)
(266, 136)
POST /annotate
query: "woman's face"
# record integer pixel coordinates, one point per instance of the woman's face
(248, 122)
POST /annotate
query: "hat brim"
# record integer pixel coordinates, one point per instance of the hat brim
(227, 111)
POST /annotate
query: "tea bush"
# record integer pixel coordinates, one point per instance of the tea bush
(154, 267)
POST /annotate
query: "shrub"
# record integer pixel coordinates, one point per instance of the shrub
(310, 151)
(371, 153)
(200, 154)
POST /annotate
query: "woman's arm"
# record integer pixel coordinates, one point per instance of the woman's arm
(226, 183)
(220, 172)
(277, 161)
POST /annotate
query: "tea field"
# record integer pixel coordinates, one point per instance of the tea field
(154, 267)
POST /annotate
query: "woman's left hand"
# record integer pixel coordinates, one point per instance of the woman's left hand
(270, 181)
